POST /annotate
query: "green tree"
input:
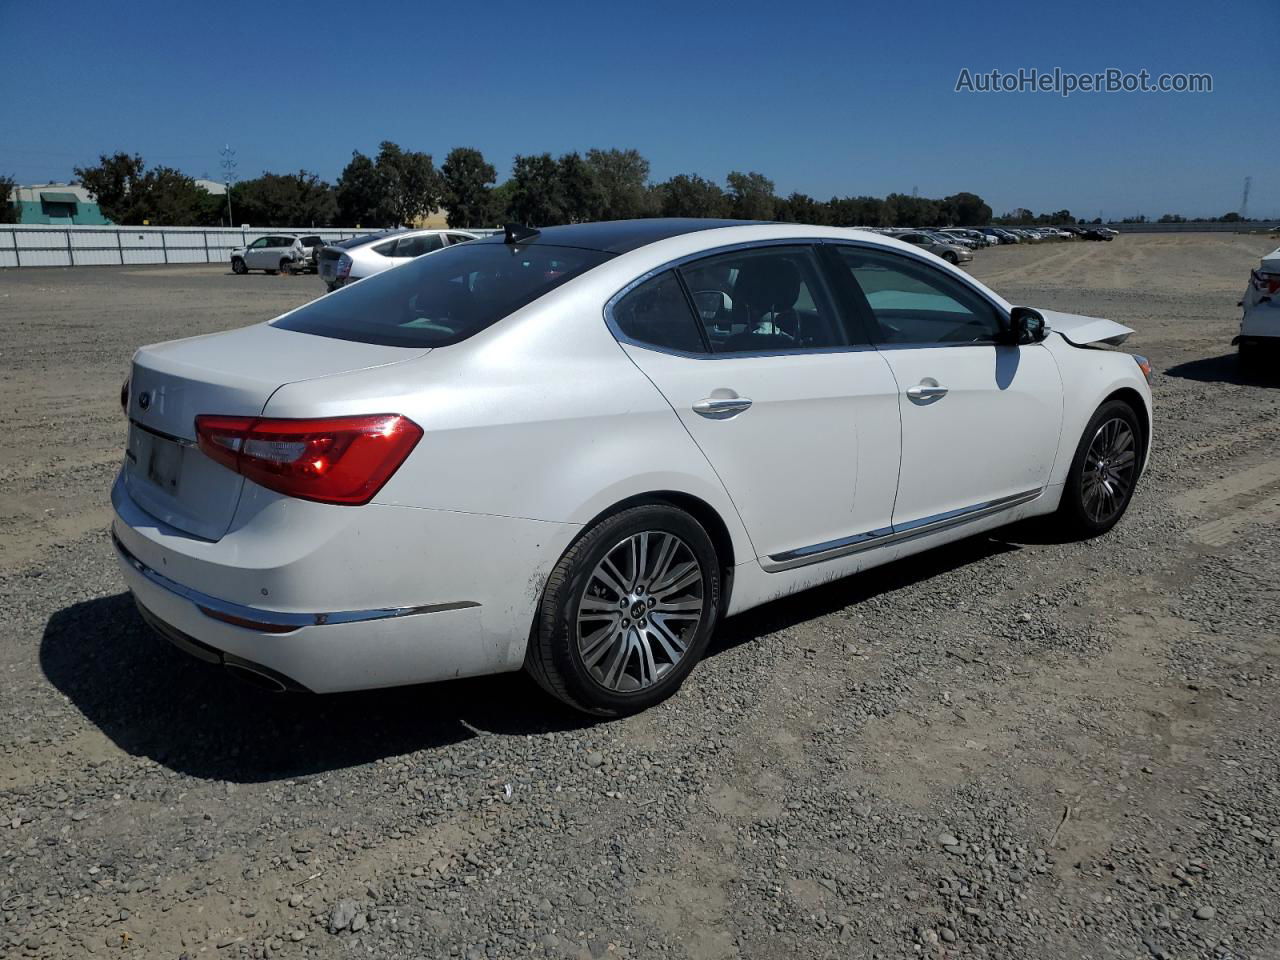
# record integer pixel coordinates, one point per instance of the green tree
(689, 195)
(801, 208)
(359, 193)
(500, 203)
(466, 181)
(622, 178)
(167, 197)
(581, 194)
(855, 211)
(411, 186)
(751, 196)
(966, 210)
(537, 193)
(285, 200)
(8, 201)
(1231, 217)
(115, 184)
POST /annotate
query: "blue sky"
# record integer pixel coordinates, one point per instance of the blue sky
(824, 98)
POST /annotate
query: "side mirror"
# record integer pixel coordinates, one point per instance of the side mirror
(1026, 326)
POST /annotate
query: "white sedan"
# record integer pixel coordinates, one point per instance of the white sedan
(351, 260)
(577, 450)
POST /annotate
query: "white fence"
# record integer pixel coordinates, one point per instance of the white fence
(38, 245)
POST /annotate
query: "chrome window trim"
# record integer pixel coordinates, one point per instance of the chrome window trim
(898, 533)
(275, 618)
(678, 262)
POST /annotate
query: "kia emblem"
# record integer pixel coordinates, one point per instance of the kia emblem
(144, 399)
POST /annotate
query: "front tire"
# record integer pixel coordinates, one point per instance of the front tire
(1103, 473)
(627, 612)
(238, 267)
(951, 258)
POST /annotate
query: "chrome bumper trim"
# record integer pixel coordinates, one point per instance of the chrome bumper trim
(834, 549)
(273, 621)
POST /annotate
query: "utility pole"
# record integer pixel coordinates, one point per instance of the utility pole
(1244, 200)
(228, 163)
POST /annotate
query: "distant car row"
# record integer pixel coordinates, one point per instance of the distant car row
(349, 260)
(345, 261)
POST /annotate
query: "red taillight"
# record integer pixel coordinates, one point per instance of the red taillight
(1266, 282)
(344, 266)
(343, 460)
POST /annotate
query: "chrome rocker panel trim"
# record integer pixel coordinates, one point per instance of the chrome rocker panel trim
(834, 549)
(274, 621)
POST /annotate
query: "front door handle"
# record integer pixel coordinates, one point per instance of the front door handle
(721, 408)
(924, 392)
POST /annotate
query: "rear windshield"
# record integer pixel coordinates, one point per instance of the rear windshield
(443, 298)
(350, 242)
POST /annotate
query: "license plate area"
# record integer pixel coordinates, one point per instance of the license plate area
(156, 459)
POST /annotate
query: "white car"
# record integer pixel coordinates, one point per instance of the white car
(1260, 323)
(360, 257)
(275, 254)
(577, 450)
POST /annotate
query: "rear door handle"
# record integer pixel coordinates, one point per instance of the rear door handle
(922, 392)
(721, 408)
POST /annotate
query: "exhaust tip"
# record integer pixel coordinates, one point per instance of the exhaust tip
(256, 678)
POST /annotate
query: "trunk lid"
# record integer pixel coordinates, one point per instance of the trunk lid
(234, 374)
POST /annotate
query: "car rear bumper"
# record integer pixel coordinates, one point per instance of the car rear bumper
(384, 596)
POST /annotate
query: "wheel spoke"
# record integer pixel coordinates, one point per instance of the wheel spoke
(662, 561)
(611, 577)
(670, 640)
(693, 605)
(593, 608)
(595, 646)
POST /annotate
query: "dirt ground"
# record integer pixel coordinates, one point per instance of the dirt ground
(1011, 747)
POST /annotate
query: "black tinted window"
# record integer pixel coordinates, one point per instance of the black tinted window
(443, 298)
(913, 302)
(417, 246)
(656, 313)
(768, 299)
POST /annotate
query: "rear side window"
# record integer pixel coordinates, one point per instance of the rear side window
(766, 300)
(444, 298)
(417, 246)
(657, 314)
(387, 249)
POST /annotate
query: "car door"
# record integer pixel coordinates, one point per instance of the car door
(254, 254)
(980, 418)
(799, 422)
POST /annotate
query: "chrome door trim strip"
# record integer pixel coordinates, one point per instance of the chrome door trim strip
(272, 621)
(834, 549)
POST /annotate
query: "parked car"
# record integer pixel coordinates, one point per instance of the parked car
(998, 236)
(951, 252)
(377, 252)
(976, 237)
(1099, 233)
(312, 244)
(1260, 322)
(576, 450)
(274, 254)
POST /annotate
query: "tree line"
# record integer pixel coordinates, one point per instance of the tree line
(398, 187)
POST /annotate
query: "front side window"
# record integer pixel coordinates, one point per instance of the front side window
(387, 249)
(657, 314)
(913, 302)
(258, 244)
(459, 238)
(445, 298)
(767, 300)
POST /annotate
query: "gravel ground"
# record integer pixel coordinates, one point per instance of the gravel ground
(1010, 747)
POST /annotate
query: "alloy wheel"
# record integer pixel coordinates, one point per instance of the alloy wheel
(640, 610)
(1109, 469)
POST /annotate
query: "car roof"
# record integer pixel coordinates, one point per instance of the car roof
(620, 236)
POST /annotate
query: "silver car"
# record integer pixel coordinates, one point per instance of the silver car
(360, 257)
(950, 252)
(279, 253)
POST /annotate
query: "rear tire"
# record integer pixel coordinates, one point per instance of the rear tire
(615, 650)
(1104, 472)
(951, 258)
(238, 267)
